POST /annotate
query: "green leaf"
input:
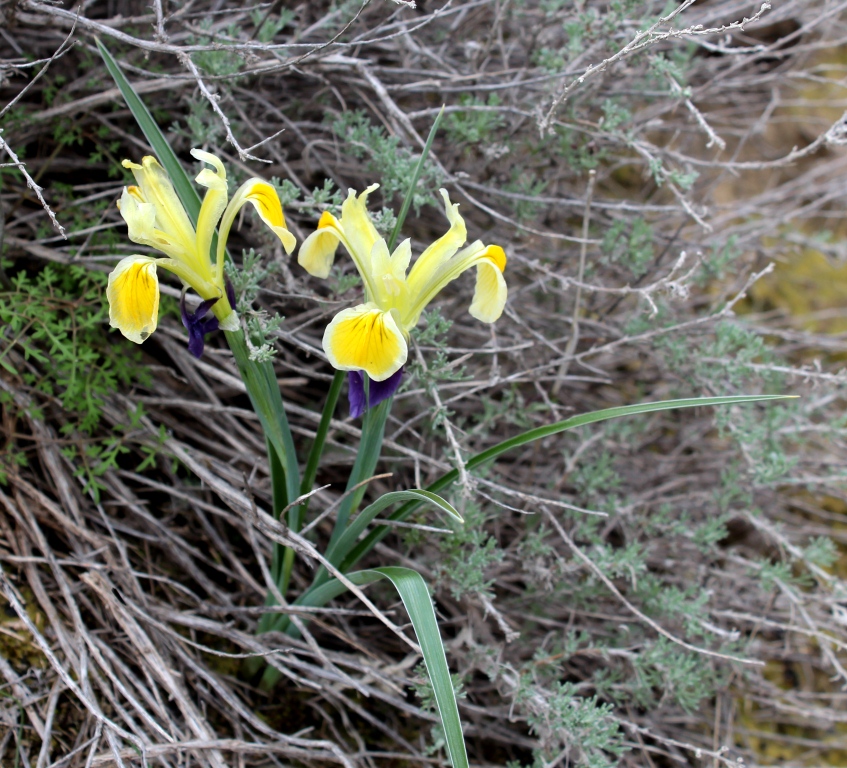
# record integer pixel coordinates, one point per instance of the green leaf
(407, 201)
(336, 552)
(415, 596)
(370, 447)
(311, 469)
(182, 183)
(531, 435)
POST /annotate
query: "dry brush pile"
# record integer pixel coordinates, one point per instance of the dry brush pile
(665, 590)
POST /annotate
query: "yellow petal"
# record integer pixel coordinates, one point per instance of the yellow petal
(208, 157)
(213, 206)
(140, 218)
(491, 292)
(265, 200)
(441, 251)
(365, 338)
(358, 228)
(490, 295)
(318, 250)
(389, 274)
(263, 197)
(133, 293)
(157, 190)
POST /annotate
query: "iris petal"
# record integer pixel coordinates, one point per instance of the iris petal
(318, 250)
(213, 206)
(157, 189)
(377, 391)
(490, 293)
(133, 293)
(358, 228)
(365, 338)
(442, 250)
(265, 200)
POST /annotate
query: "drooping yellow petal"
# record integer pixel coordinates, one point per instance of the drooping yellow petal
(133, 293)
(441, 251)
(318, 250)
(490, 293)
(365, 338)
(213, 206)
(265, 200)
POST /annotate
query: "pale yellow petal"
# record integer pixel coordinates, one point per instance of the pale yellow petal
(213, 206)
(358, 228)
(210, 159)
(441, 251)
(318, 250)
(490, 295)
(140, 218)
(401, 257)
(388, 275)
(365, 338)
(491, 291)
(157, 190)
(133, 293)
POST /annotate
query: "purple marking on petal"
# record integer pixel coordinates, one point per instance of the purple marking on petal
(377, 390)
(356, 393)
(230, 291)
(382, 390)
(196, 326)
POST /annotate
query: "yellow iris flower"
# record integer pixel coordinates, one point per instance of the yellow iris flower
(155, 217)
(373, 336)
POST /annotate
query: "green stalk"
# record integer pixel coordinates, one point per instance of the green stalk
(311, 469)
(260, 381)
(278, 487)
(282, 562)
(367, 457)
(262, 387)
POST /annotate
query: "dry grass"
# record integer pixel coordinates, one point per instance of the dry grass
(130, 610)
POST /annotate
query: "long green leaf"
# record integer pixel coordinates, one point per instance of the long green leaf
(311, 469)
(413, 183)
(182, 183)
(336, 552)
(262, 387)
(414, 593)
(370, 446)
(366, 544)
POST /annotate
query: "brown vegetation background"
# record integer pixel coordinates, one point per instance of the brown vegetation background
(669, 187)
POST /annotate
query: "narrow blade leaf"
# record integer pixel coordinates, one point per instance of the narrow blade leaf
(182, 184)
(414, 593)
(366, 544)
